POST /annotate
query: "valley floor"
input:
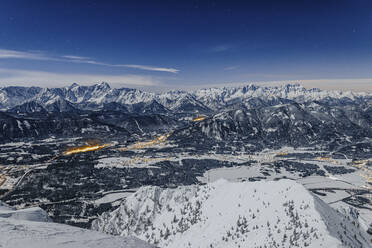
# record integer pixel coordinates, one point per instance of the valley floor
(76, 189)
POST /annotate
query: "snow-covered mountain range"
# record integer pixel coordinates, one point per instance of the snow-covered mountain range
(225, 214)
(265, 116)
(205, 100)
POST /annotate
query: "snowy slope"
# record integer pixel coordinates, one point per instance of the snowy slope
(27, 228)
(225, 214)
(29, 214)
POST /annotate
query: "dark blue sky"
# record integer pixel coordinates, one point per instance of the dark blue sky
(180, 43)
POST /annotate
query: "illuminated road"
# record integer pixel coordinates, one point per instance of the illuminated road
(85, 149)
(146, 144)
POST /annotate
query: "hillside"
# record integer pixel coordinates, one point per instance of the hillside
(225, 214)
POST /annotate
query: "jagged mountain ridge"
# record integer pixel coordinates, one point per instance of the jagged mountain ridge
(215, 97)
(16, 95)
(203, 101)
(265, 116)
(225, 214)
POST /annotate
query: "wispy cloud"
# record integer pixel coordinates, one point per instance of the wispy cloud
(75, 57)
(150, 68)
(13, 54)
(49, 79)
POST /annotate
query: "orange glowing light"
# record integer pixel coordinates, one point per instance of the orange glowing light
(85, 149)
(146, 144)
(198, 118)
(322, 158)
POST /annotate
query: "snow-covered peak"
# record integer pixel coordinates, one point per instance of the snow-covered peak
(14, 95)
(73, 85)
(56, 99)
(225, 214)
(102, 85)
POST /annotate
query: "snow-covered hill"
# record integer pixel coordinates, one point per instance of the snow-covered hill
(226, 214)
(28, 228)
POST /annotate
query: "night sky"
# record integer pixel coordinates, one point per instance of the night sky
(177, 44)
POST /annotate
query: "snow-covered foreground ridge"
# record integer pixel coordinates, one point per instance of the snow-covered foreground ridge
(29, 228)
(226, 214)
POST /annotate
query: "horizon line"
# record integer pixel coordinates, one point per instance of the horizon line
(307, 84)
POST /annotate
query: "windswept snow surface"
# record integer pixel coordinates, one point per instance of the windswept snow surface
(29, 214)
(227, 214)
(27, 229)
